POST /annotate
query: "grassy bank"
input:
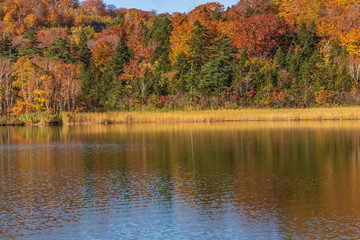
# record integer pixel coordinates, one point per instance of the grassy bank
(343, 113)
(69, 118)
(31, 119)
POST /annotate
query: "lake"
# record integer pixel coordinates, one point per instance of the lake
(245, 180)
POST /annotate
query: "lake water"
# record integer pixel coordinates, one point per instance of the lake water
(260, 180)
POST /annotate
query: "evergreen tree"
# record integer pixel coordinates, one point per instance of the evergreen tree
(143, 86)
(84, 53)
(198, 45)
(181, 65)
(30, 46)
(120, 58)
(313, 38)
(305, 53)
(319, 71)
(89, 83)
(162, 66)
(294, 60)
(306, 35)
(302, 34)
(290, 54)
(110, 87)
(7, 50)
(343, 81)
(160, 32)
(119, 20)
(218, 72)
(301, 64)
(280, 58)
(61, 49)
(305, 75)
(242, 69)
(87, 74)
(244, 56)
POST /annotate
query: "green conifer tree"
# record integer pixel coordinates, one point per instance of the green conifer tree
(302, 34)
(307, 35)
(199, 44)
(160, 32)
(87, 74)
(61, 49)
(242, 69)
(84, 53)
(110, 87)
(280, 58)
(30, 45)
(7, 50)
(343, 81)
(89, 84)
(218, 72)
(182, 67)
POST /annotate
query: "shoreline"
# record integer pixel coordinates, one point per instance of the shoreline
(195, 116)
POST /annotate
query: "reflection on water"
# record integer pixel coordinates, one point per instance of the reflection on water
(255, 180)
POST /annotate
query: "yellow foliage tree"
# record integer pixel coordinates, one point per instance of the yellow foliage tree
(28, 78)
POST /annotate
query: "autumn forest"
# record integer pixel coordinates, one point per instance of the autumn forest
(66, 55)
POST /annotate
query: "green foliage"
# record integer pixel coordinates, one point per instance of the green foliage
(87, 75)
(84, 54)
(30, 45)
(280, 58)
(306, 35)
(41, 118)
(242, 68)
(60, 49)
(110, 88)
(218, 72)
(89, 83)
(143, 86)
(182, 67)
(120, 58)
(342, 80)
(7, 49)
(199, 43)
(160, 33)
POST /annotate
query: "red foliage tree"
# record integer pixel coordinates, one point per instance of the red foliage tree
(261, 34)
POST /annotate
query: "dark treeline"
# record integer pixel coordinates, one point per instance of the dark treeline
(63, 55)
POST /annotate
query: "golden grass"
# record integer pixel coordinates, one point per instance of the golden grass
(338, 113)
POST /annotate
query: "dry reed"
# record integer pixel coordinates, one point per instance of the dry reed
(339, 113)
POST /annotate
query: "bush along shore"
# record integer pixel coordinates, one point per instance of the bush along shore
(224, 115)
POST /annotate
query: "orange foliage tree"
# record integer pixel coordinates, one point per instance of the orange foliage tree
(209, 15)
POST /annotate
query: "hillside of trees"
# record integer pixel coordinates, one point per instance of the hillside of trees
(66, 55)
